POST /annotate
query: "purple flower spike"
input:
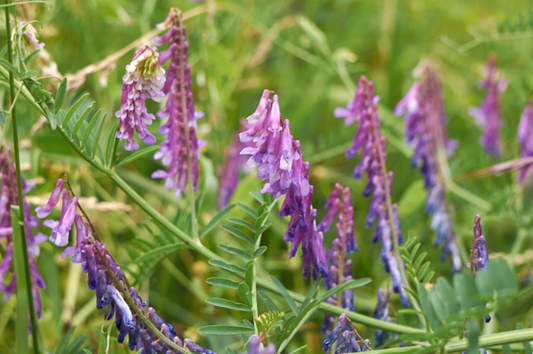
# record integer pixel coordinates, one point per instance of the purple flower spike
(339, 204)
(144, 79)
(488, 115)
(44, 211)
(181, 148)
(525, 139)
(279, 162)
(369, 141)
(425, 120)
(381, 312)
(9, 197)
(479, 255)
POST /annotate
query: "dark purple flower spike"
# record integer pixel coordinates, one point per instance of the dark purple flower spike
(368, 139)
(180, 151)
(425, 119)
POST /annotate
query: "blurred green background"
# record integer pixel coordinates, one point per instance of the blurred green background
(311, 53)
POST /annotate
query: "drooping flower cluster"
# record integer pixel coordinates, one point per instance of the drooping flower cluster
(97, 262)
(479, 256)
(144, 79)
(424, 118)
(345, 338)
(256, 347)
(181, 149)
(381, 312)
(279, 161)
(340, 269)
(9, 197)
(229, 170)
(525, 139)
(488, 115)
(364, 109)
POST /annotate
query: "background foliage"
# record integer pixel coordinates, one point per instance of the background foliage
(294, 48)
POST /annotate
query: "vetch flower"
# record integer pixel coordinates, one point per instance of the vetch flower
(488, 115)
(61, 229)
(144, 79)
(339, 206)
(98, 263)
(363, 108)
(525, 139)
(9, 197)
(425, 119)
(279, 162)
(180, 151)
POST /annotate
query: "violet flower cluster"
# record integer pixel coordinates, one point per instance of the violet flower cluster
(525, 139)
(97, 262)
(345, 338)
(489, 114)
(181, 149)
(424, 118)
(229, 171)
(9, 197)
(339, 206)
(144, 79)
(279, 161)
(256, 347)
(364, 109)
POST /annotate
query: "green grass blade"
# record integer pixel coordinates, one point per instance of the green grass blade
(137, 154)
(81, 120)
(98, 135)
(217, 219)
(90, 127)
(21, 332)
(60, 95)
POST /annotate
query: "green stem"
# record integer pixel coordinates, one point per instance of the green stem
(255, 312)
(22, 220)
(455, 346)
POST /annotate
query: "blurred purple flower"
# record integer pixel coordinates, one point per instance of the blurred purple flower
(279, 162)
(9, 197)
(339, 205)
(144, 79)
(95, 258)
(181, 147)
(525, 139)
(425, 132)
(256, 347)
(488, 115)
(368, 138)
(229, 171)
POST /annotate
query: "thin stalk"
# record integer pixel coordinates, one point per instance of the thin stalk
(183, 97)
(485, 341)
(255, 311)
(22, 220)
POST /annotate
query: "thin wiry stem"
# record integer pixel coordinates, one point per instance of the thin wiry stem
(22, 219)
